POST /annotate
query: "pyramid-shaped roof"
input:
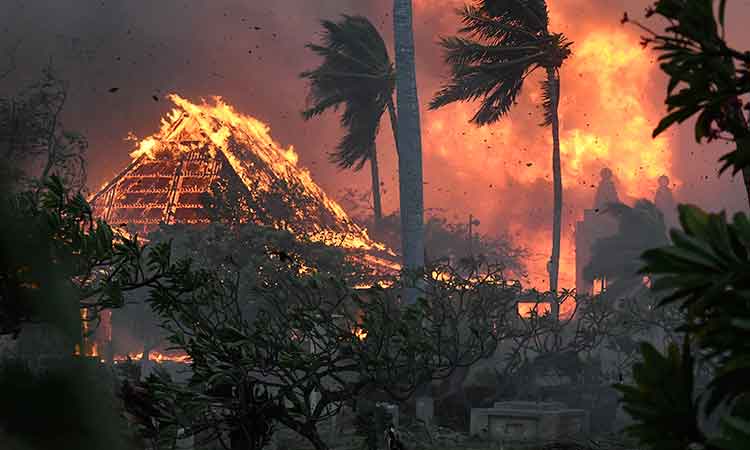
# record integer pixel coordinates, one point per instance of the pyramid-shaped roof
(204, 147)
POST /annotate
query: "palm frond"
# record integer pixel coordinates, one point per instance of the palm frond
(506, 40)
(479, 24)
(356, 74)
(495, 77)
(529, 14)
(460, 51)
(361, 119)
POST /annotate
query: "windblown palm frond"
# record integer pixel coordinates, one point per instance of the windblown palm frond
(508, 40)
(531, 15)
(356, 73)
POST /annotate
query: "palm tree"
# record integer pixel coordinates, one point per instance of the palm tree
(409, 138)
(506, 41)
(357, 73)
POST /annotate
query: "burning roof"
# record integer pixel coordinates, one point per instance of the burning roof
(212, 149)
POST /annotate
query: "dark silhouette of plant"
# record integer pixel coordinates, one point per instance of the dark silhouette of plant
(53, 248)
(706, 76)
(33, 141)
(301, 349)
(706, 273)
(357, 73)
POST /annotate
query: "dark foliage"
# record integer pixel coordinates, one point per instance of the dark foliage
(68, 407)
(51, 247)
(705, 272)
(358, 74)
(706, 76)
(640, 228)
(302, 343)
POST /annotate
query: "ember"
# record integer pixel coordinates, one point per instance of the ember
(359, 333)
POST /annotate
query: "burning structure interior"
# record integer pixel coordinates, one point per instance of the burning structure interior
(207, 154)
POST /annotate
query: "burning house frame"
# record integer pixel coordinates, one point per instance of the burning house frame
(208, 161)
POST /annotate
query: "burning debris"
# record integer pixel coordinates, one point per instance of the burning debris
(155, 356)
(204, 148)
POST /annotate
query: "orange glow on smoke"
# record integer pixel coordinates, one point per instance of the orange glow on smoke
(612, 91)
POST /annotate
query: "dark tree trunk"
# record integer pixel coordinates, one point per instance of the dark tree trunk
(376, 201)
(409, 143)
(554, 270)
(746, 178)
(394, 123)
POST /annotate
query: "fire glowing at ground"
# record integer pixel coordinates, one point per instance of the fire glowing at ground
(156, 357)
(359, 333)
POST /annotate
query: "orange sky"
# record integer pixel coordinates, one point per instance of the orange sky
(502, 173)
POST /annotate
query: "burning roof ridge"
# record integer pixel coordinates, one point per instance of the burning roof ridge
(240, 139)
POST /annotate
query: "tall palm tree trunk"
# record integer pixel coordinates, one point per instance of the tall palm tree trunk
(409, 142)
(376, 202)
(554, 80)
(394, 123)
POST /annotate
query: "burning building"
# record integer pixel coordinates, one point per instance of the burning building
(211, 149)
(208, 162)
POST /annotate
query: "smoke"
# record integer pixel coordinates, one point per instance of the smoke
(251, 53)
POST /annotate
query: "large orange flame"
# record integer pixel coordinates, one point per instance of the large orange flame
(221, 128)
(611, 101)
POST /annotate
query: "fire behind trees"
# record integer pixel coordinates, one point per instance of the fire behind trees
(313, 344)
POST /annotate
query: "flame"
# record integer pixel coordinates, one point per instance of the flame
(225, 130)
(90, 345)
(155, 356)
(612, 91)
(359, 333)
